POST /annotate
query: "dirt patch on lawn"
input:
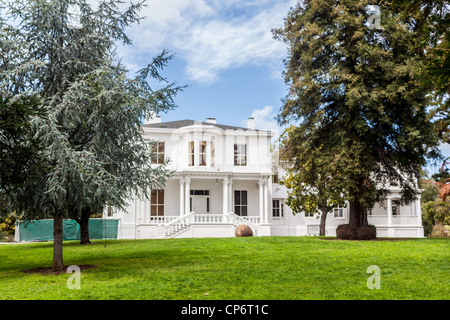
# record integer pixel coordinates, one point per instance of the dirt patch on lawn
(50, 271)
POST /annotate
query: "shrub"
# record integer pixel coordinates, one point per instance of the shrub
(348, 232)
(7, 227)
(440, 231)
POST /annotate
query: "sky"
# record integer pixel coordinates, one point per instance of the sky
(224, 51)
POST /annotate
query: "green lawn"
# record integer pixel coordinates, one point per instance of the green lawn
(258, 268)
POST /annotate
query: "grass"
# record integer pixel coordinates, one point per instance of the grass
(257, 268)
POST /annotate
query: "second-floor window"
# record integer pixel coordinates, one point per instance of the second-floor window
(240, 154)
(158, 152)
(191, 153)
(198, 153)
(202, 153)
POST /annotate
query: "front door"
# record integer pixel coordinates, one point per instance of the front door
(200, 204)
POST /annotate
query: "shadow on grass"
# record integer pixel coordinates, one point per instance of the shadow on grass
(50, 271)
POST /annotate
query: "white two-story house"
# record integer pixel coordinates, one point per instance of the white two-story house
(225, 176)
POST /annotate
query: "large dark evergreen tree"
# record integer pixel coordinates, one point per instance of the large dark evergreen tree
(354, 91)
(92, 133)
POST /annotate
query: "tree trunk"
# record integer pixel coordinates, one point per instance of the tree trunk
(58, 242)
(358, 215)
(84, 226)
(323, 219)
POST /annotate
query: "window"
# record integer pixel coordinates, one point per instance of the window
(240, 202)
(157, 203)
(309, 215)
(191, 153)
(395, 207)
(202, 153)
(393, 182)
(199, 192)
(277, 209)
(213, 153)
(240, 154)
(158, 152)
(275, 178)
(109, 211)
(338, 212)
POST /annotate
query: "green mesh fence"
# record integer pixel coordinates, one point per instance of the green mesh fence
(42, 230)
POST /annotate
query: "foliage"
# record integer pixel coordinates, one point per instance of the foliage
(309, 186)
(433, 206)
(431, 18)
(355, 97)
(440, 231)
(438, 212)
(7, 227)
(308, 182)
(92, 134)
(21, 157)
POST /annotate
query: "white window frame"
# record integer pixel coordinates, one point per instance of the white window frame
(240, 159)
(157, 207)
(309, 215)
(340, 213)
(280, 208)
(202, 156)
(396, 207)
(157, 153)
(241, 204)
(191, 153)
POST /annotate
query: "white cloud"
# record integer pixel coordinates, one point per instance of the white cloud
(210, 35)
(264, 119)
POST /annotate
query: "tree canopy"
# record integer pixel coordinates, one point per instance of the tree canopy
(92, 133)
(355, 97)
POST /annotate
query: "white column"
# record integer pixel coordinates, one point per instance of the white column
(391, 231)
(182, 202)
(266, 200)
(146, 210)
(225, 196)
(139, 211)
(261, 202)
(418, 211)
(230, 195)
(389, 212)
(187, 196)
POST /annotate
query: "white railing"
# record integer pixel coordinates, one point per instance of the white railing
(401, 220)
(162, 220)
(171, 225)
(405, 220)
(208, 218)
(377, 220)
(176, 225)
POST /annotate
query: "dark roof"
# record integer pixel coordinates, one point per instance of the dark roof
(186, 123)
